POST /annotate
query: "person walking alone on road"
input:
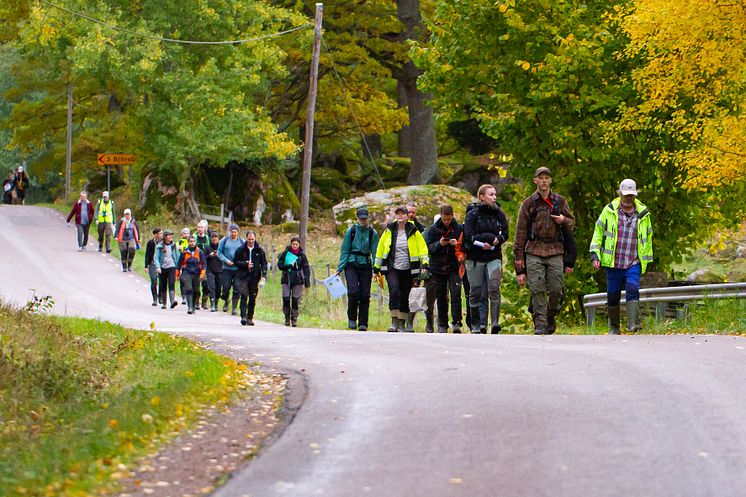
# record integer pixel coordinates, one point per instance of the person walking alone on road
(83, 212)
(485, 230)
(105, 221)
(251, 262)
(214, 271)
(402, 256)
(150, 263)
(191, 270)
(226, 253)
(441, 239)
(128, 236)
(203, 241)
(356, 260)
(166, 261)
(544, 222)
(622, 244)
(296, 273)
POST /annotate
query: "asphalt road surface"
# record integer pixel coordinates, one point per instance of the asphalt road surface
(401, 415)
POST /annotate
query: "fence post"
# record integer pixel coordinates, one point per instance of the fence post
(222, 215)
(660, 311)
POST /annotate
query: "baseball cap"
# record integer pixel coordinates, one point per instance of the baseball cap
(628, 187)
(127, 211)
(362, 213)
(20, 169)
(105, 194)
(399, 209)
(167, 232)
(542, 169)
(233, 227)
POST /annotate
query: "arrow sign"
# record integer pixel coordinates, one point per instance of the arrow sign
(115, 159)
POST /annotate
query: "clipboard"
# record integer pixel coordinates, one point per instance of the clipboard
(335, 286)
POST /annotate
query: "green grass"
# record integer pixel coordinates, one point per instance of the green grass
(80, 400)
(725, 317)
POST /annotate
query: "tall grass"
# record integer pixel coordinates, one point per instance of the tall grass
(80, 398)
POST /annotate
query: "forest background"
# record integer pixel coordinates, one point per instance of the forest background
(410, 92)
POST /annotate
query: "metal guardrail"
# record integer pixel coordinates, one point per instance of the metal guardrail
(663, 295)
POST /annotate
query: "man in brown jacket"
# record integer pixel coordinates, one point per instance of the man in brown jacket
(539, 250)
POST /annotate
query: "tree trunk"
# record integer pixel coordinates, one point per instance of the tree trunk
(403, 148)
(420, 140)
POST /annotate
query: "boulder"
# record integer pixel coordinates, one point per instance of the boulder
(705, 276)
(381, 203)
(737, 275)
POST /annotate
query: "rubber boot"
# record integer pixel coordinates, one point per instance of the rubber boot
(409, 324)
(429, 323)
(394, 322)
(234, 307)
(613, 320)
(124, 267)
(190, 304)
(286, 309)
(204, 301)
(474, 319)
(551, 323)
(633, 316)
(172, 298)
(294, 312)
(213, 305)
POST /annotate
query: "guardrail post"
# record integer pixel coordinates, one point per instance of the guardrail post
(590, 316)
(222, 215)
(660, 311)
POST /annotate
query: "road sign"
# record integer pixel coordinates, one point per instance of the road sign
(115, 159)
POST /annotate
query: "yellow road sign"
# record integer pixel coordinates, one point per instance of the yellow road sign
(115, 159)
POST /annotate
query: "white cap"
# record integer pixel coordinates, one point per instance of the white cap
(127, 211)
(105, 194)
(185, 231)
(628, 187)
(20, 169)
(202, 223)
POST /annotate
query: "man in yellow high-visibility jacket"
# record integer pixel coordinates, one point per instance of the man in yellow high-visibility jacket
(105, 221)
(623, 244)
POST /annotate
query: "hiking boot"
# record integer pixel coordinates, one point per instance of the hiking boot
(99, 248)
(457, 328)
(225, 306)
(551, 324)
(250, 322)
(540, 331)
(243, 322)
(442, 329)
(429, 329)
(496, 329)
(294, 322)
(394, 324)
(409, 323)
(174, 304)
(362, 327)
(204, 302)
(351, 324)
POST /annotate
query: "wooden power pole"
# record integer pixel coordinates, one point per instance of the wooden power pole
(69, 152)
(308, 147)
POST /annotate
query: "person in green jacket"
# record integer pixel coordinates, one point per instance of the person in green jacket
(622, 244)
(402, 256)
(356, 260)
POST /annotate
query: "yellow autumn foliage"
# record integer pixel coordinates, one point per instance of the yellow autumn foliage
(694, 75)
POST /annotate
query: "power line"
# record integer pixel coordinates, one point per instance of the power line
(171, 40)
(352, 111)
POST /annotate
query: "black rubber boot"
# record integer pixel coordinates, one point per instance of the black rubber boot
(394, 322)
(614, 319)
(234, 307)
(294, 312)
(286, 309)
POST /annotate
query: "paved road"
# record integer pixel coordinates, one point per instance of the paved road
(431, 415)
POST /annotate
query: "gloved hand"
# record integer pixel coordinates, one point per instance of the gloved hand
(376, 270)
(424, 274)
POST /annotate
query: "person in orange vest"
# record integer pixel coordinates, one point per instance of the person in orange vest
(128, 236)
(191, 270)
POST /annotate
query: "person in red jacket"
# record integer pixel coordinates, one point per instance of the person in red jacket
(191, 270)
(128, 236)
(83, 212)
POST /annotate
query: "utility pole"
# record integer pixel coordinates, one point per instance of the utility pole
(69, 153)
(308, 148)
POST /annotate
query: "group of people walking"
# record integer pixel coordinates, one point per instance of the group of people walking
(15, 187)
(444, 258)
(449, 256)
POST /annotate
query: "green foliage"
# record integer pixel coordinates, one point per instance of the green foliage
(79, 397)
(174, 106)
(546, 81)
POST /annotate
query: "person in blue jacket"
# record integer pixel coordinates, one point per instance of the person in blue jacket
(226, 253)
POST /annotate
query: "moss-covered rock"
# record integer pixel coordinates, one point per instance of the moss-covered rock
(381, 203)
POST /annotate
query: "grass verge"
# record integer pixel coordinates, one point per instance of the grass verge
(81, 400)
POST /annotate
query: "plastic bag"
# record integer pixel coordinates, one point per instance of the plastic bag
(417, 299)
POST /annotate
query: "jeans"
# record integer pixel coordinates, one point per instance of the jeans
(478, 272)
(248, 288)
(82, 234)
(617, 278)
(358, 293)
(153, 273)
(214, 285)
(230, 279)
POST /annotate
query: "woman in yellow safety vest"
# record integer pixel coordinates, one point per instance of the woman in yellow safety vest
(403, 257)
